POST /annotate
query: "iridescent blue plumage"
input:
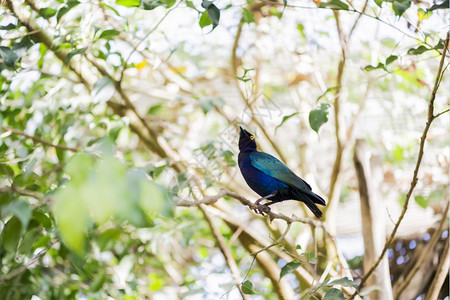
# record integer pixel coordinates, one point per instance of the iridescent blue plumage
(271, 179)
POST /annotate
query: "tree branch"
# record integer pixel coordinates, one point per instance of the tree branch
(38, 139)
(415, 179)
(225, 251)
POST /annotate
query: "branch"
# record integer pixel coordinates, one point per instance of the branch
(423, 255)
(415, 179)
(225, 251)
(441, 274)
(38, 139)
(21, 269)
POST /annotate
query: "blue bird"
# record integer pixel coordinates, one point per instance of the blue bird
(271, 179)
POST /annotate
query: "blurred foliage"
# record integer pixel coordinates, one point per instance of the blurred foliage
(112, 111)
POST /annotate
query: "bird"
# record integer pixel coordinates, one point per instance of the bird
(271, 179)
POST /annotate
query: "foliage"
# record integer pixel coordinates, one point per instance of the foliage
(114, 112)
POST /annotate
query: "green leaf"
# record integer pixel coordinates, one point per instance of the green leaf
(334, 294)
(9, 57)
(11, 234)
(419, 50)
(444, 5)
(71, 218)
(21, 210)
(61, 12)
(334, 4)
(379, 66)
(247, 288)
(43, 242)
(344, 281)
(47, 12)
(204, 20)
(423, 15)
(108, 237)
(248, 16)
(391, 59)
(318, 117)
(43, 219)
(289, 268)
(421, 201)
(97, 283)
(379, 2)
(213, 13)
(103, 90)
(301, 29)
(285, 118)
(74, 52)
(109, 34)
(128, 3)
(400, 6)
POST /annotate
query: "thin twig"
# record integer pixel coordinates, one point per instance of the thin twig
(38, 139)
(277, 242)
(415, 178)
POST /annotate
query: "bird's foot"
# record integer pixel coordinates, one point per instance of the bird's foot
(261, 209)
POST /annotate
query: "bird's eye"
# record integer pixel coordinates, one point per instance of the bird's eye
(252, 137)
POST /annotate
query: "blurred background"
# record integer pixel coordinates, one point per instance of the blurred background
(119, 116)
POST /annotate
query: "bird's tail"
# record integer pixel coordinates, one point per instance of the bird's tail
(309, 199)
(316, 198)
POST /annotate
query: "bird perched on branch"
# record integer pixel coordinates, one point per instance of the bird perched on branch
(271, 179)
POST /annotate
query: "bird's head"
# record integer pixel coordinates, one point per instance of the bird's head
(246, 140)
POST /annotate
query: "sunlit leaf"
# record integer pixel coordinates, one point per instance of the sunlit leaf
(247, 16)
(421, 201)
(47, 12)
(423, 15)
(128, 3)
(204, 20)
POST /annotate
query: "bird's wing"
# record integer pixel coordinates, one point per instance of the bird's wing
(272, 166)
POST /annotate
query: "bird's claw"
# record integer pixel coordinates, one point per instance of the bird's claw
(261, 209)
